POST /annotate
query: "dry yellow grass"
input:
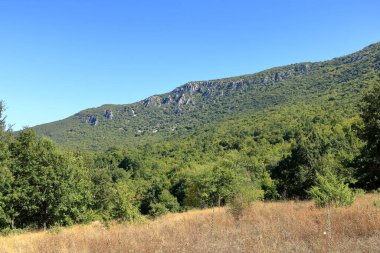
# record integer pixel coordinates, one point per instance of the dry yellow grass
(265, 227)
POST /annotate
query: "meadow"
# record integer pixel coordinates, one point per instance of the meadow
(284, 226)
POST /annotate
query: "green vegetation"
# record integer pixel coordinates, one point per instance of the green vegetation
(310, 89)
(369, 161)
(43, 186)
(293, 132)
(330, 191)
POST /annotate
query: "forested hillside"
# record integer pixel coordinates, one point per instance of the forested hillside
(302, 131)
(336, 84)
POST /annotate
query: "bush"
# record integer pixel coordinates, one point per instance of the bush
(169, 201)
(330, 191)
(125, 206)
(243, 199)
(157, 209)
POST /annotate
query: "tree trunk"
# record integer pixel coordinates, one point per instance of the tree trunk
(45, 216)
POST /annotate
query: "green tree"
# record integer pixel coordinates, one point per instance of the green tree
(157, 199)
(102, 192)
(369, 164)
(330, 191)
(296, 173)
(49, 187)
(324, 147)
(215, 187)
(6, 181)
(6, 177)
(125, 202)
(210, 187)
(166, 203)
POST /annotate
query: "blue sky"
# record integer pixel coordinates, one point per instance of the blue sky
(59, 57)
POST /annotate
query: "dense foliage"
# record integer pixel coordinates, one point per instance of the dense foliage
(317, 141)
(369, 161)
(330, 191)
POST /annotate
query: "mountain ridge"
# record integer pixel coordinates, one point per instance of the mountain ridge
(196, 103)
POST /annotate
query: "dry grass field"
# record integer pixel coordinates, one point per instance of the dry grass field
(265, 227)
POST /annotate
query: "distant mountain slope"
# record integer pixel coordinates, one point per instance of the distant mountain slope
(194, 105)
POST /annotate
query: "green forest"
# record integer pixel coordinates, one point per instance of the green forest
(314, 135)
(44, 186)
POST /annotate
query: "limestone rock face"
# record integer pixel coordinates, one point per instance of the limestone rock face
(153, 101)
(167, 100)
(93, 120)
(108, 114)
(186, 96)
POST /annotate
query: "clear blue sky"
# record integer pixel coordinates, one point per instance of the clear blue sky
(59, 57)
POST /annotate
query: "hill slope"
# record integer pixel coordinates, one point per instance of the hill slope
(335, 83)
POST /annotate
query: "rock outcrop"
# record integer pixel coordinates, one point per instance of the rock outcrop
(153, 101)
(93, 120)
(188, 94)
(108, 114)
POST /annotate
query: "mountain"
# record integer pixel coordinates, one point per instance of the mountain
(330, 85)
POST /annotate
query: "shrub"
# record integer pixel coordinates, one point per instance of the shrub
(243, 199)
(169, 201)
(330, 191)
(157, 209)
(125, 207)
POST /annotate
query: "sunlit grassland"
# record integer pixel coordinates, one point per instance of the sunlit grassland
(288, 226)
